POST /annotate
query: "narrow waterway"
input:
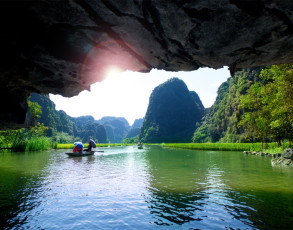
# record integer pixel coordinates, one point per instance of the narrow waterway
(150, 188)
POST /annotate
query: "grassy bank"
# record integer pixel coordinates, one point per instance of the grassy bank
(33, 144)
(270, 147)
(71, 146)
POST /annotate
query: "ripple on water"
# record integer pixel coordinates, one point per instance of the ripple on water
(153, 188)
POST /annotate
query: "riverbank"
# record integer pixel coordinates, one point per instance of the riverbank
(223, 146)
(279, 156)
(281, 159)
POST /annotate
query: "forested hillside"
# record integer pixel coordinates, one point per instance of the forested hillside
(63, 128)
(56, 121)
(221, 122)
(172, 113)
(254, 105)
(87, 127)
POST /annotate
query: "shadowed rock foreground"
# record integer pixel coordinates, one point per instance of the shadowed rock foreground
(62, 47)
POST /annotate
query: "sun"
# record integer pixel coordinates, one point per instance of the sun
(112, 71)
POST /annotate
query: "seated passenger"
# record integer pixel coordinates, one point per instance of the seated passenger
(78, 147)
(92, 145)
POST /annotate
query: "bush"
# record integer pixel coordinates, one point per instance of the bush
(132, 140)
(65, 138)
(199, 137)
(230, 138)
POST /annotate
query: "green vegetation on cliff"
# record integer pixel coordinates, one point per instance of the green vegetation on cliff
(255, 105)
(57, 121)
(172, 114)
(221, 120)
(66, 129)
(87, 127)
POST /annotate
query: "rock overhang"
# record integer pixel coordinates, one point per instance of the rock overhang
(62, 47)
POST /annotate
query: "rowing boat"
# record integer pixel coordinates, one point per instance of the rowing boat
(77, 154)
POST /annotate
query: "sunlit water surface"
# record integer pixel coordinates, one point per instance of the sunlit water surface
(152, 188)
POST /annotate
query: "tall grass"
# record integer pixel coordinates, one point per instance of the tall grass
(222, 146)
(32, 144)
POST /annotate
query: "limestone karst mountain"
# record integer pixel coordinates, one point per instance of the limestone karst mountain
(172, 114)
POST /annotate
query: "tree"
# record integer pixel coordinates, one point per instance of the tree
(269, 105)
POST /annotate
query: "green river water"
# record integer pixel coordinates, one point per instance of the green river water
(151, 188)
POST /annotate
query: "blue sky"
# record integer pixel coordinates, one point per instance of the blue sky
(127, 94)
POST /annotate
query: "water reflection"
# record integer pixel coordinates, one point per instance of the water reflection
(209, 190)
(170, 208)
(174, 187)
(126, 188)
(21, 174)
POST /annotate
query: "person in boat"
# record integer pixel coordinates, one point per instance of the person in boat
(78, 147)
(92, 145)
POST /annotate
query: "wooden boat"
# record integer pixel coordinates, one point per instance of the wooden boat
(139, 146)
(77, 154)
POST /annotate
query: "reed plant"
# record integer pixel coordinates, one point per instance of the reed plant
(38, 143)
(32, 144)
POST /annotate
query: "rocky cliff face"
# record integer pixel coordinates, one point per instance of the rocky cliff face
(172, 114)
(62, 47)
(135, 128)
(116, 128)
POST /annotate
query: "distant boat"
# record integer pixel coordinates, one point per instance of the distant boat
(77, 154)
(139, 146)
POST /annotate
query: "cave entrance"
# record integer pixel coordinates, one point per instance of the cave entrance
(126, 94)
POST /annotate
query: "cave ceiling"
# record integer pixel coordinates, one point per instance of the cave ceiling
(62, 47)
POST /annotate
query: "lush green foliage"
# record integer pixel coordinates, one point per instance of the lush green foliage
(269, 105)
(32, 144)
(254, 106)
(57, 121)
(172, 113)
(131, 140)
(66, 129)
(65, 138)
(27, 139)
(220, 123)
(91, 130)
(133, 133)
(10, 138)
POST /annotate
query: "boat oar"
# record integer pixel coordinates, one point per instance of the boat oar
(101, 151)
